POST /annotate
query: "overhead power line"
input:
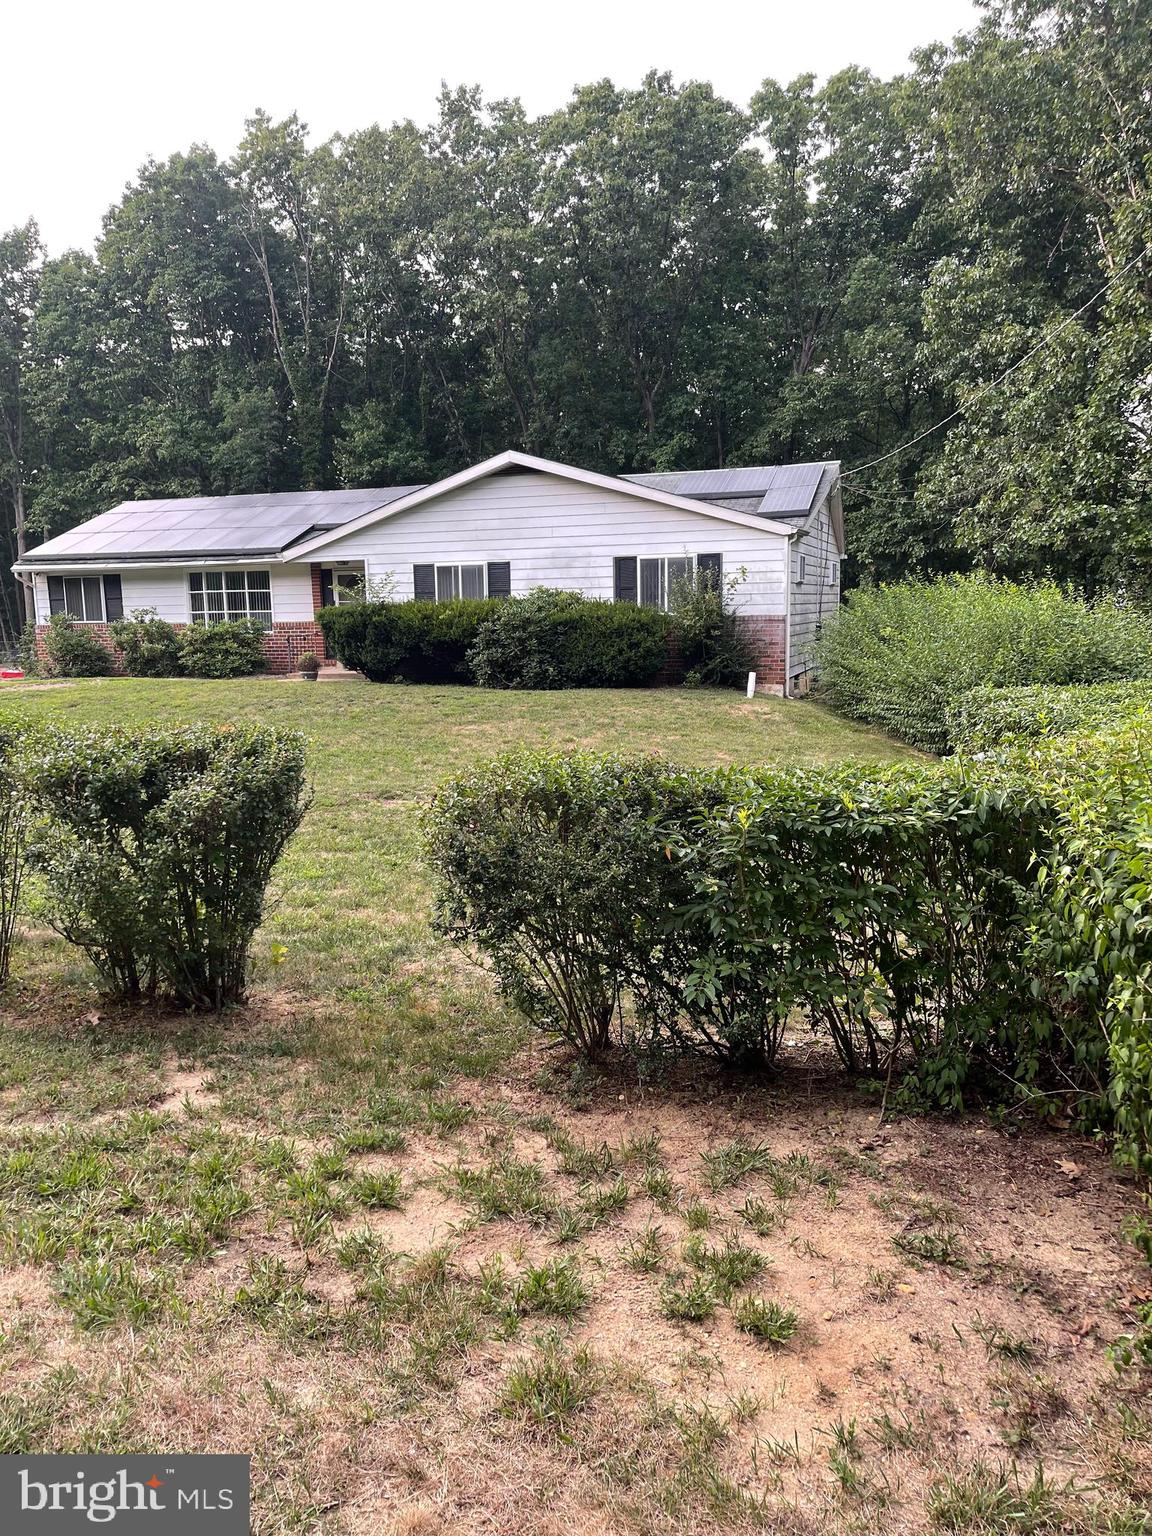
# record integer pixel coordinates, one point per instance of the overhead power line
(995, 383)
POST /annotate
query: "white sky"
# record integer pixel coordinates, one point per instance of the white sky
(91, 89)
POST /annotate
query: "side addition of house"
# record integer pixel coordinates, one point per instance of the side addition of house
(498, 529)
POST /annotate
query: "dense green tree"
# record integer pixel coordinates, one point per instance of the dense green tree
(646, 278)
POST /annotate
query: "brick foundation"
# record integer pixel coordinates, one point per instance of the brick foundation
(283, 645)
(766, 635)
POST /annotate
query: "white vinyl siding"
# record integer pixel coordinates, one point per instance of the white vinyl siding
(165, 590)
(559, 533)
(815, 591)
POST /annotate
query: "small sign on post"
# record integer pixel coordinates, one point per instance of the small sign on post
(751, 684)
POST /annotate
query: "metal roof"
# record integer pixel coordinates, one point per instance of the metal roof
(212, 525)
(268, 525)
(768, 490)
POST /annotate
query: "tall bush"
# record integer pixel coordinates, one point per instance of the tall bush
(71, 650)
(554, 639)
(707, 628)
(413, 642)
(159, 848)
(13, 839)
(898, 656)
(984, 718)
(149, 646)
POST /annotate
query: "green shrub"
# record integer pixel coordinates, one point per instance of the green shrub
(235, 649)
(712, 647)
(532, 855)
(885, 910)
(149, 646)
(1092, 929)
(552, 639)
(415, 642)
(13, 839)
(898, 656)
(159, 848)
(983, 718)
(71, 650)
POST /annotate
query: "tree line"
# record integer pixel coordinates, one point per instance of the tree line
(645, 279)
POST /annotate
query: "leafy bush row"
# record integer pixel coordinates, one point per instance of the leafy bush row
(151, 647)
(987, 717)
(968, 933)
(548, 639)
(703, 911)
(900, 656)
(154, 848)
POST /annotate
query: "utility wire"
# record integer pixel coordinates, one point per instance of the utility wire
(995, 383)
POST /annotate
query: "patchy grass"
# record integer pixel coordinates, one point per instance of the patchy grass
(366, 1223)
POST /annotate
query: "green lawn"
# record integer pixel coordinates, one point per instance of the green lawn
(347, 922)
(437, 1278)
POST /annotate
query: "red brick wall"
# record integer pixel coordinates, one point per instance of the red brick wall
(288, 642)
(283, 647)
(766, 635)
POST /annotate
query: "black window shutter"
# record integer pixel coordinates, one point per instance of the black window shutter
(113, 598)
(424, 583)
(711, 567)
(327, 596)
(56, 600)
(499, 578)
(625, 566)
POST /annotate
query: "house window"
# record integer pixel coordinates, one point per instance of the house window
(217, 597)
(801, 569)
(454, 581)
(652, 581)
(658, 578)
(442, 583)
(833, 573)
(86, 599)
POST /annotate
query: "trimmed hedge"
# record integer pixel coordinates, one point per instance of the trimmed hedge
(545, 640)
(158, 848)
(954, 930)
(983, 718)
(899, 656)
(887, 909)
(416, 642)
(149, 646)
(552, 639)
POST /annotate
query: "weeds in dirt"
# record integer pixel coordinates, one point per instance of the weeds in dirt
(765, 1319)
(553, 1385)
(689, 1301)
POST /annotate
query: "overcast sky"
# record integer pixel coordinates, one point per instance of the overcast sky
(92, 89)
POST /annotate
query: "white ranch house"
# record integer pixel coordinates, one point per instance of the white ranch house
(500, 528)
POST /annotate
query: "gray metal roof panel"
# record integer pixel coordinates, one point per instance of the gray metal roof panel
(779, 489)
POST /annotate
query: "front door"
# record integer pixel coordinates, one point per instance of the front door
(338, 587)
